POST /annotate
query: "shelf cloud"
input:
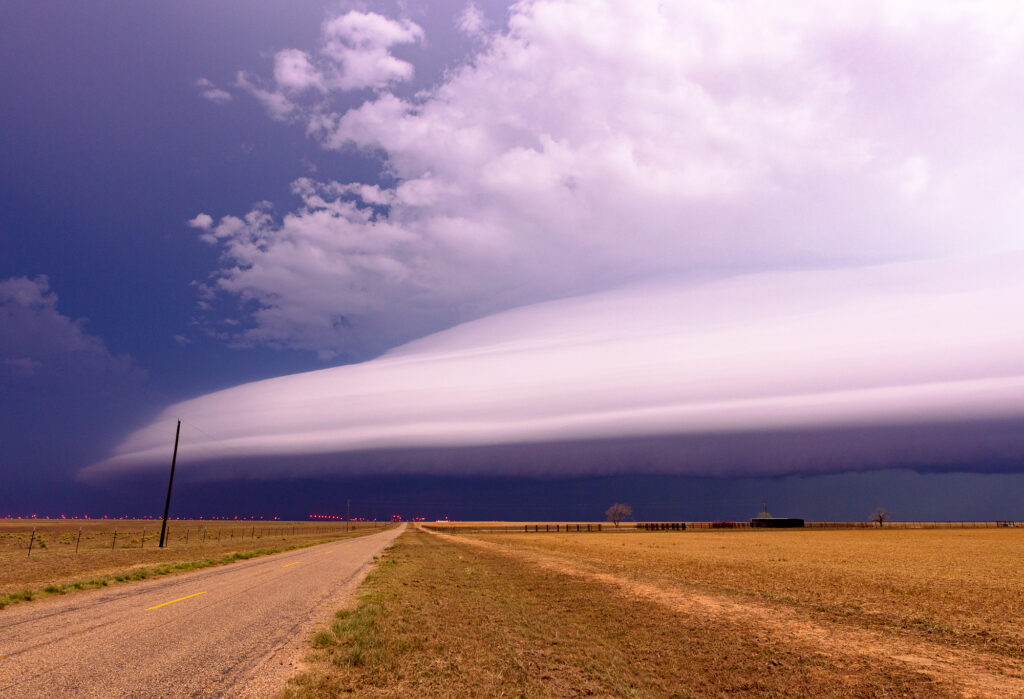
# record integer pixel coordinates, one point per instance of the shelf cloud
(693, 237)
(710, 374)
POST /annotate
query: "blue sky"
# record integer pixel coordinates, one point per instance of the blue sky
(110, 148)
(197, 197)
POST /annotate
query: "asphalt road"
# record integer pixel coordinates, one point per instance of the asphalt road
(235, 630)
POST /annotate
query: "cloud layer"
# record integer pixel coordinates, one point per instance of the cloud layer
(892, 349)
(735, 238)
(41, 344)
(588, 145)
(61, 386)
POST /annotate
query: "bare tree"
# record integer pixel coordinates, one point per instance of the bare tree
(880, 516)
(618, 512)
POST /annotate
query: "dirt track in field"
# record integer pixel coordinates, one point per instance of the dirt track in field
(983, 674)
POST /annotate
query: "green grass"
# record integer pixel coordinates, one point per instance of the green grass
(353, 636)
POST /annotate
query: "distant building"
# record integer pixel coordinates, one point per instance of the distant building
(766, 520)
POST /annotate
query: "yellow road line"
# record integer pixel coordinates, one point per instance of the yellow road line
(177, 600)
(290, 564)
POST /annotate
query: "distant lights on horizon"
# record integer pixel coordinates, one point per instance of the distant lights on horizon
(341, 518)
(393, 518)
(220, 518)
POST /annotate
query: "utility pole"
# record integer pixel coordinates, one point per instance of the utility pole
(348, 504)
(170, 482)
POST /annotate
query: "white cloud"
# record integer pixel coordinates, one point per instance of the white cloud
(358, 43)
(294, 71)
(893, 346)
(277, 104)
(471, 21)
(211, 92)
(592, 144)
(744, 166)
(355, 53)
(201, 221)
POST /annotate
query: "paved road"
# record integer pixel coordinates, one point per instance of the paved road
(237, 630)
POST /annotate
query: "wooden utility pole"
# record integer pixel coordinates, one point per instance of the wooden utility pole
(348, 504)
(170, 483)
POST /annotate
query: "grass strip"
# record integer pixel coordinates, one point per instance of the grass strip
(154, 571)
(439, 618)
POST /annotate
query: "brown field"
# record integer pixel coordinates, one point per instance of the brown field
(714, 613)
(963, 585)
(134, 552)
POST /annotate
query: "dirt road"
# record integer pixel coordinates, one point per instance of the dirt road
(238, 629)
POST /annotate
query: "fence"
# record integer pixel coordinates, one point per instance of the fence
(998, 524)
(33, 539)
(555, 527)
(562, 527)
(661, 526)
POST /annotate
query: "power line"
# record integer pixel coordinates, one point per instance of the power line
(221, 444)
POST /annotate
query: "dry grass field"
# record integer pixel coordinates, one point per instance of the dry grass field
(778, 613)
(55, 566)
(963, 586)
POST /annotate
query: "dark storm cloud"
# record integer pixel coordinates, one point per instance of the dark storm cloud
(890, 350)
(60, 384)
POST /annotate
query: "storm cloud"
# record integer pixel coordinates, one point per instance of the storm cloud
(582, 146)
(60, 383)
(837, 370)
(701, 238)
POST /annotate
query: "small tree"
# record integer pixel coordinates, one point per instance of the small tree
(880, 516)
(618, 512)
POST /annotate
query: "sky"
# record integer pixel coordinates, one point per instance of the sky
(541, 255)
